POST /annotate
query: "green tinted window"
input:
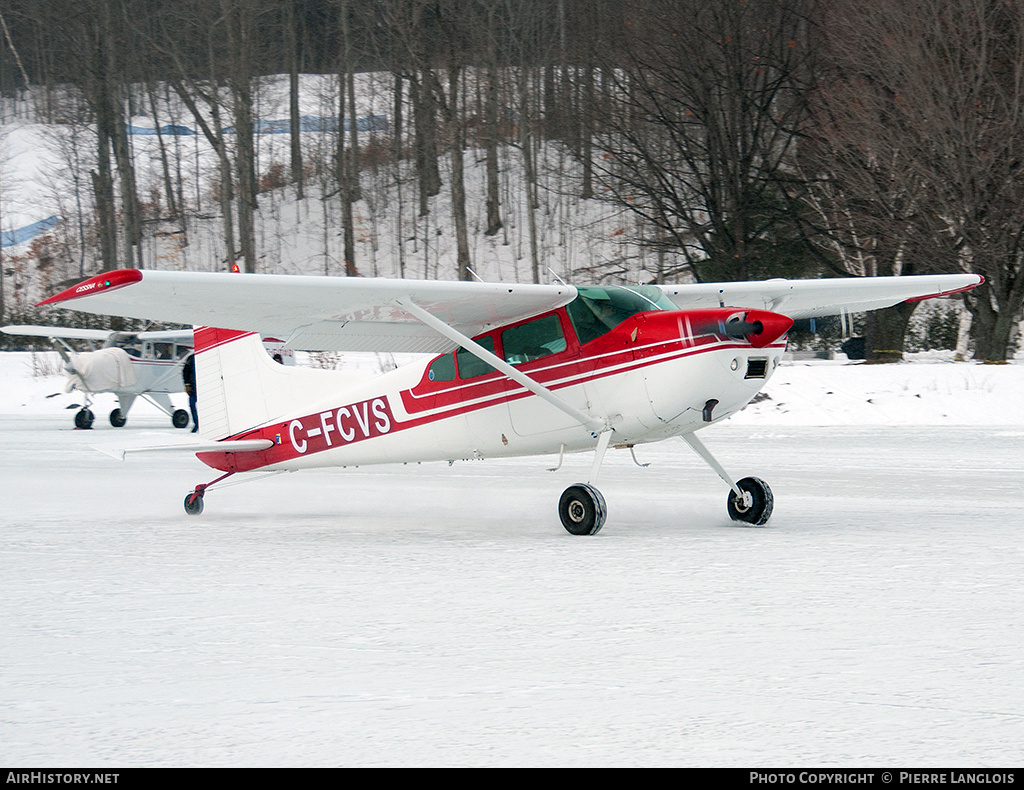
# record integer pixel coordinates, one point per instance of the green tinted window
(470, 365)
(533, 340)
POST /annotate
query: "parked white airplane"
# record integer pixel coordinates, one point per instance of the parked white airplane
(519, 369)
(129, 364)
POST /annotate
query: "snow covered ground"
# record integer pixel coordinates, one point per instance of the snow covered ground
(436, 615)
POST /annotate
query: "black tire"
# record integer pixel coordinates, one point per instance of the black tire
(117, 418)
(582, 510)
(760, 509)
(83, 419)
(194, 503)
(180, 419)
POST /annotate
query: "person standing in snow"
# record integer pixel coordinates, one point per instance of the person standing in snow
(188, 375)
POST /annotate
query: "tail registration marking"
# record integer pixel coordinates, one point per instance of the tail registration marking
(352, 423)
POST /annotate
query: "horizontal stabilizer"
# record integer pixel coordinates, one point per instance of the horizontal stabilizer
(241, 446)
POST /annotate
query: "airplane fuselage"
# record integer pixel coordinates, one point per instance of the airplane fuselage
(656, 375)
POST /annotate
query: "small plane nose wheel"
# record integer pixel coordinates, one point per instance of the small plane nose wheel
(83, 419)
(582, 509)
(755, 508)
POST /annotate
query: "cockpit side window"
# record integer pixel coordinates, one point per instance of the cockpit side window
(596, 310)
(163, 350)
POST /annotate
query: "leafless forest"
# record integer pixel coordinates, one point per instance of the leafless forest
(743, 139)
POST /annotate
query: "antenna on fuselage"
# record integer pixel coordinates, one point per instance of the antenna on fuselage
(553, 274)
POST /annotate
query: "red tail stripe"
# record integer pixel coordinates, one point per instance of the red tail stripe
(208, 337)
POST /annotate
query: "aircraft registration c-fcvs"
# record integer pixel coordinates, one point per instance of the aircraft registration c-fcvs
(520, 369)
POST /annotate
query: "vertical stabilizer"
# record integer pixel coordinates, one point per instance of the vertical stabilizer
(240, 387)
(230, 368)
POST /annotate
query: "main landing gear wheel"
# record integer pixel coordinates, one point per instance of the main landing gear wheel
(582, 509)
(194, 503)
(117, 418)
(179, 419)
(756, 506)
(83, 419)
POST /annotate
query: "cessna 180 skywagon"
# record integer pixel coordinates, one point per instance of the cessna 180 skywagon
(519, 369)
(128, 364)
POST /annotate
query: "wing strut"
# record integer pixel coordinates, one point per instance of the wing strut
(435, 323)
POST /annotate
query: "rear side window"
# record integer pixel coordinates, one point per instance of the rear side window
(442, 368)
(533, 340)
(470, 365)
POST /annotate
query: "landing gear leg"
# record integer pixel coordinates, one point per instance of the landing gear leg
(581, 507)
(194, 498)
(750, 500)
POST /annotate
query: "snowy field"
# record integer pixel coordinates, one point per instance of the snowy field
(440, 616)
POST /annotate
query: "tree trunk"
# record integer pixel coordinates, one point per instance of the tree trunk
(172, 203)
(991, 329)
(458, 179)
(494, 223)
(240, 32)
(424, 114)
(292, 35)
(343, 166)
(245, 170)
(886, 331)
(529, 175)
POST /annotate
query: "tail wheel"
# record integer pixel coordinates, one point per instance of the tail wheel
(83, 419)
(179, 419)
(582, 510)
(194, 503)
(117, 418)
(755, 507)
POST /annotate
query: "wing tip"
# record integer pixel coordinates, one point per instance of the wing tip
(939, 294)
(101, 283)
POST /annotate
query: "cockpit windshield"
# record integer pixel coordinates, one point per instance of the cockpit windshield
(599, 309)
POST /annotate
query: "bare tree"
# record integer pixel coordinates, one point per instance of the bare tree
(706, 105)
(930, 95)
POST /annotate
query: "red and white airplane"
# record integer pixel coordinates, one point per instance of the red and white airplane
(519, 369)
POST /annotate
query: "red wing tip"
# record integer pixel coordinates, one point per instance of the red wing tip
(108, 281)
(966, 288)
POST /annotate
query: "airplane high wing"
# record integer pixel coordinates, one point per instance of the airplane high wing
(362, 314)
(519, 369)
(314, 313)
(800, 299)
